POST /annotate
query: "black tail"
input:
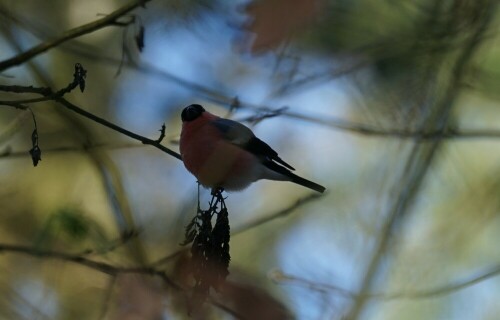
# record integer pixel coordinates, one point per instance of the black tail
(293, 177)
(306, 183)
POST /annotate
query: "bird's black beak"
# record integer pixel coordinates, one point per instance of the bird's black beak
(191, 112)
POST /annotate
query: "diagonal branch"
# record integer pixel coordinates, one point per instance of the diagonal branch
(75, 258)
(117, 128)
(418, 167)
(103, 267)
(108, 20)
(279, 214)
(436, 291)
(48, 94)
(253, 224)
(220, 97)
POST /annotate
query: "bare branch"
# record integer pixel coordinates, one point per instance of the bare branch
(24, 89)
(78, 81)
(8, 153)
(258, 222)
(420, 159)
(108, 20)
(58, 97)
(103, 267)
(117, 128)
(440, 290)
(279, 214)
(370, 130)
(220, 97)
(75, 258)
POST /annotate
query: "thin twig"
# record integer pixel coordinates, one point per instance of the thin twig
(279, 214)
(224, 99)
(418, 167)
(108, 20)
(103, 267)
(357, 128)
(7, 153)
(251, 225)
(439, 290)
(78, 81)
(75, 258)
(47, 92)
(117, 128)
(24, 89)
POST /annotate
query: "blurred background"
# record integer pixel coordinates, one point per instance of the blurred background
(392, 105)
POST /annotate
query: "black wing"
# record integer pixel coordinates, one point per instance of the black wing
(243, 137)
(260, 148)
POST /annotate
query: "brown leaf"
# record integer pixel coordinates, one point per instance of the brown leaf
(252, 302)
(138, 297)
(276, 21)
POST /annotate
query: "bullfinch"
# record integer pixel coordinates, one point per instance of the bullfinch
(223, 153)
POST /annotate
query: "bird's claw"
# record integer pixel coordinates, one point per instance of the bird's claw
(217, 191)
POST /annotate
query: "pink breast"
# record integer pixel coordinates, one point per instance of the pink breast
(214, 161)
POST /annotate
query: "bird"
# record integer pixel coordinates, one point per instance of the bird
(225, 154)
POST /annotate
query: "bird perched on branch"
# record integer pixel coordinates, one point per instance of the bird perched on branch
(223, 153)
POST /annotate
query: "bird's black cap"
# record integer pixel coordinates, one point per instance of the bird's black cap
(191, 112)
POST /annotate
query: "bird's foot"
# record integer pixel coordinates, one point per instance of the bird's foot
(217, 191)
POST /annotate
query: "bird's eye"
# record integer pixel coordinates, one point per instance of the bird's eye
(191, 112)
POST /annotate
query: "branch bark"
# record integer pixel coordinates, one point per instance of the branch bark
(108, 20)
(419, 162)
